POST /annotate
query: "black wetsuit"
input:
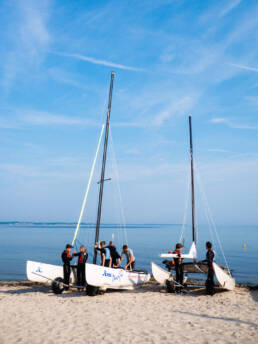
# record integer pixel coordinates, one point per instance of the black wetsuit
(114, 254)
(66, 258)
(179, 269)
(82, 259)
(103, 251)
(210, 275)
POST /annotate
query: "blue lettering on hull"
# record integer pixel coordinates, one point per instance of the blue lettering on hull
(113, 276)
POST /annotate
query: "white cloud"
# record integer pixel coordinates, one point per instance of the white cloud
(252, 69)
(46, 118)
(29, 39)
(231, 5)
(100, 62)
(218, 150)
(179, 107)
(233, 125)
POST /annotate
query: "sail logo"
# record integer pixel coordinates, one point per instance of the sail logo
(39, 270)
(113, 276)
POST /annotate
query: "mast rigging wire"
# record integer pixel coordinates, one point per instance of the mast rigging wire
(212, 221)
(118, 187)
(88, 186)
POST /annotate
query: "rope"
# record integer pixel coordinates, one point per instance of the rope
(118, 187)
(181, 238)
(213, 223)
(88, 186)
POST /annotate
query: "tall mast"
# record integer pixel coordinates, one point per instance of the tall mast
(102, 178)
(192, 180)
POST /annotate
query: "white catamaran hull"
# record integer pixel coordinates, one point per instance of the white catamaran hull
(100, 276)
(225, 280)
(45, 273)
(97, 276)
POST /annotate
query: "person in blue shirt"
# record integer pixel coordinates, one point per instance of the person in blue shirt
(106, 259)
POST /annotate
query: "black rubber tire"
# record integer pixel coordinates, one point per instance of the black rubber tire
(57, 285)
(91, 290)
(170, 286)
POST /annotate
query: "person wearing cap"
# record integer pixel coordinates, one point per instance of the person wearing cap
(179, 266)
(66, 258)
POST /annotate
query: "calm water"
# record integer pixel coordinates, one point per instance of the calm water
(44, 242)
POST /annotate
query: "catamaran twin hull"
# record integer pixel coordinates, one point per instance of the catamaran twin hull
(226, 281)
(96, 275)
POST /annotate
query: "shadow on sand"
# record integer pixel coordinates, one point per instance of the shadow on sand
(206, 316)
(254, 294)
(27, 290)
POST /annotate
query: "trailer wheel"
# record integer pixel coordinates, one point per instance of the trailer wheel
(91, 290)
(170, 286)
(58, 285)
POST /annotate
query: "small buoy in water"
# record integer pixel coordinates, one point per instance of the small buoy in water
(244, 245)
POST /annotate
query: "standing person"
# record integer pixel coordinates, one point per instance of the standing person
(114, 254)
(129, 257)
(210, 274)
(179, 266)
(82, 259)
(106, 260)
(66, 258)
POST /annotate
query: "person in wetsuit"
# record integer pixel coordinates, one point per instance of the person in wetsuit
(129, 258)
(66, 258)
(179, 266)
(114, 254)
(210, 274)
(106, 259)
(82, 259)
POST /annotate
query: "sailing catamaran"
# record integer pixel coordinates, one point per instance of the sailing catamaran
(223, 275)
(97, 277)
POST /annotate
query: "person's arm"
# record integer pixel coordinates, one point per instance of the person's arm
(119, 264)
(103, 259)
(129, 263)
(76, 254)
(110, 262)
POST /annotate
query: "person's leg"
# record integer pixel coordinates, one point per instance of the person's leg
(181, 280)
(83, 280)
(67, 274)
(79, 277)
(177, 273)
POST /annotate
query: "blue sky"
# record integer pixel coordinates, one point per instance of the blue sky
(171, 58)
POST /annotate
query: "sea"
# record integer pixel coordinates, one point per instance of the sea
(44, 242)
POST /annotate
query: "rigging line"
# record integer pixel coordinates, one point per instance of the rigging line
(118, 187)
(208, 215)
(88, 186)
(205, 206)
(215, 230)
(186, 208)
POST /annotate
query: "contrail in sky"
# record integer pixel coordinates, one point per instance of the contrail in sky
(100, 62)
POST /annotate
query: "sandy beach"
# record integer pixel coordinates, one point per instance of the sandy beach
(33, 314)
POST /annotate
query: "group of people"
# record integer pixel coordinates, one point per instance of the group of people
(112, 259)
(179, 268)
(108, 255)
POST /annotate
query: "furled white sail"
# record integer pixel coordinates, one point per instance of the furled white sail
(191, 255)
